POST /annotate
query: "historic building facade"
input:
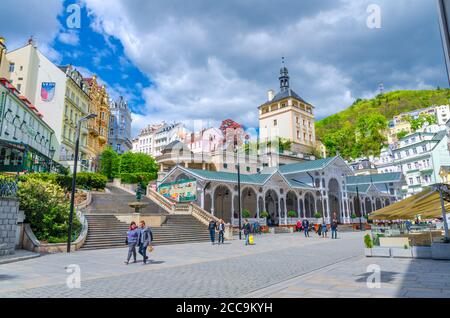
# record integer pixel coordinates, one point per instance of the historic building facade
(76, 106)
(325, 186)
(98, 126)
(119, 130)
(288, 116)
(42, 83)
(27, 142)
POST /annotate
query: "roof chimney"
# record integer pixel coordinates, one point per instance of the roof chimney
(270, 94)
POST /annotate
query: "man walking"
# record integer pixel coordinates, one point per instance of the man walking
(145, 238)
(212, 230)
(246, 230)
(305, 225)
(221, 229)
(334, 227)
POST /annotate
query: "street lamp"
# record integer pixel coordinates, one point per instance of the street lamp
(443, 189)
(239, 184)
(74, 177)
(359, 209)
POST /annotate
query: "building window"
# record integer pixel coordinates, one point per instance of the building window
(275, 122)
(11, 67)
(248, 169)
(225, 166)
(411, 181)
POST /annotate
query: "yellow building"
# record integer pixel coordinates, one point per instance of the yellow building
(76, 106)
(288, 116)
(444, 173)
(4, 64)
(97, 127)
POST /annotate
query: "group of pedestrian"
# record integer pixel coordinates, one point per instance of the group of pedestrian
(220, 228)
(140, 237)
(321, 230)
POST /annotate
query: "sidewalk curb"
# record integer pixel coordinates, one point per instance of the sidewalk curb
(18, 259)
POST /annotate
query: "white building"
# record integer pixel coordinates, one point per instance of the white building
(205, 141)
(43, 83)
(154, 138)
(442, 114)
(419, 156)
(385, 162)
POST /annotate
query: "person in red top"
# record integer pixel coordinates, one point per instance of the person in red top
(298, 227)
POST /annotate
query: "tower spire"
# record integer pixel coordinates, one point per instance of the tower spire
(284, 76)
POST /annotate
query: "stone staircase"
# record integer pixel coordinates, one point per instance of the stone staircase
(106, 231)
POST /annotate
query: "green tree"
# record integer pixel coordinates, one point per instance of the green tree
(370, 133)
(137, 162)
(46, 208)
(109, 163)
(402, 134)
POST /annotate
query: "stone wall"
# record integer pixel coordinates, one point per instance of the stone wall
(9, 213)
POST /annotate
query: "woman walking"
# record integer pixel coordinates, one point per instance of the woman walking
(221, 230)
(131, 241)
(324, 229)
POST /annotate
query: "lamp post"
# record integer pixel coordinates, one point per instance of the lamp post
(359, 209)
(74, 177)
(239, 184)
(441, 188)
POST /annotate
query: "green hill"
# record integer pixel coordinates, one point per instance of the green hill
(333, 129)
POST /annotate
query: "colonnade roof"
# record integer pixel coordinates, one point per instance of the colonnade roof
(375, 178)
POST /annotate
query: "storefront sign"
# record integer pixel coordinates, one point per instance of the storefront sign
(48, 91)
(180, 191)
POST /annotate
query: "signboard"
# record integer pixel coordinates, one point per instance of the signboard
(180, 191)
(48, 91)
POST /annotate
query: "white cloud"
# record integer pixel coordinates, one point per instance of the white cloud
(69, 38)
(216, 61)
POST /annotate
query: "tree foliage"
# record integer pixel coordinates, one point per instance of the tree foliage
(47, 210)
(334, 130)
(109, 163)
(137, 162)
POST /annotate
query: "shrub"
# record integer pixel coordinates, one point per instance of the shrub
(292, 214)
(264, 214)
(46, 209)
(143, 178)
(353, 216)
(368, 241)
(109, 163)
(246, 214)
(90, 180)
(317, 215)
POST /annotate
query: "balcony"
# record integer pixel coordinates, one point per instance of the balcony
(93, 130)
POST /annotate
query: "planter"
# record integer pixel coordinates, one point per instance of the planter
(381, 252)
(368, 252)
(421, 252)
(399, 252)
(440, 251)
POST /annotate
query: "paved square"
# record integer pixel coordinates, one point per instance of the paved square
(287, 265)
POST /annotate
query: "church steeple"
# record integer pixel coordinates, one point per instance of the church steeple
(284, 77)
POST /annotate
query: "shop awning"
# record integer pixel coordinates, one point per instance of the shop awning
(427, 204)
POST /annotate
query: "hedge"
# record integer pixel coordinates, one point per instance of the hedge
(140, 177)
(85, 180)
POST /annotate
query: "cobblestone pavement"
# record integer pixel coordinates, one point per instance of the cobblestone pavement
(193, 270)
(277, 266)
(399, 278)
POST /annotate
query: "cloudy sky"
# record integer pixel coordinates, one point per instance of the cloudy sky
(178, 60)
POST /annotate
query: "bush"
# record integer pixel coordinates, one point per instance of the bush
(90, 180)
(353, 216)
(47, 210)
(85, 180)
(246, 214)
(292, 214)
(317, 215)
(143, 178)
(264, 214)
(368, 241)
